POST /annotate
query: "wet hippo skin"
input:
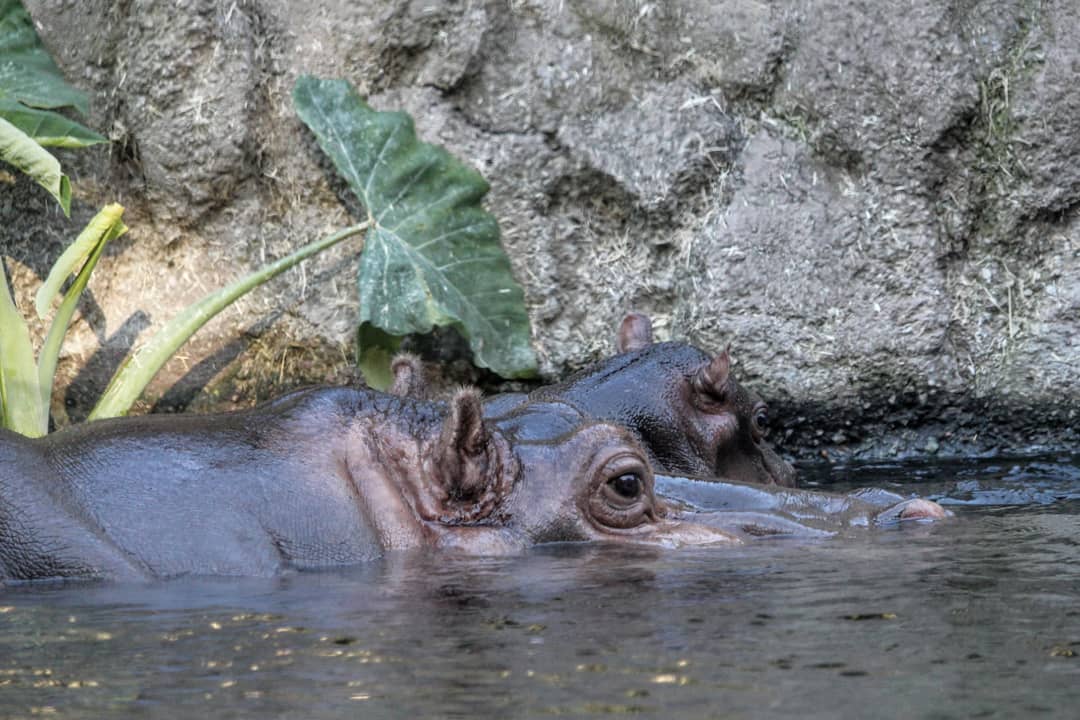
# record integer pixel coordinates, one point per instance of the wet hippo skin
(683, 405)
(320, 477)
(746, 509)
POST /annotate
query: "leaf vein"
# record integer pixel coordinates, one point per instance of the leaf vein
(375, 166)
(406, 188)
(463, 299)
(437, 201)
(432, 241)
(332, 134)
(463, 261)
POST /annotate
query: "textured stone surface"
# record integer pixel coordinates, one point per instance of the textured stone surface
(877, 205)
(793, 266)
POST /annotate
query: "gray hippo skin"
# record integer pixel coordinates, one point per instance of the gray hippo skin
(318, 478)
(683, 405)
(750, 510)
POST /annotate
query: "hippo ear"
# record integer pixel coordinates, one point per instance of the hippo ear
(464, 430)
(408, 374)
(462, 443)
(635, 332)
(712, 377)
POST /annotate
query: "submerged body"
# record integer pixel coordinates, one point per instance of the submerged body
(318, 478)
(240, 493)
(335, 476)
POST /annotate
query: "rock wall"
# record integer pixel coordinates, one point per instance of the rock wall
(877, 205)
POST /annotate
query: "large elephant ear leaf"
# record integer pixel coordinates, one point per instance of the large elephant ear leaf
(432, 256)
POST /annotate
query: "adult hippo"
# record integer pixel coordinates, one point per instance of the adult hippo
(320, 477)
(682, 404)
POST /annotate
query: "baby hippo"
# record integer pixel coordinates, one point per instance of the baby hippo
(692, 417)
(320, 477)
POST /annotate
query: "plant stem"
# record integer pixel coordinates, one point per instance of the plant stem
(49, 354)
(139, 369)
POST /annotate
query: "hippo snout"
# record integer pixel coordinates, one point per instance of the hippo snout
(683, 533)
(780, 470)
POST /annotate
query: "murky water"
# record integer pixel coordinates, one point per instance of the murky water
(976, 617)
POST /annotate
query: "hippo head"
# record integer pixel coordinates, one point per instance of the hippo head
(544, 473)
(684, 406)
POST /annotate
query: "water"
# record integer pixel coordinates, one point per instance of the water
(975, 617)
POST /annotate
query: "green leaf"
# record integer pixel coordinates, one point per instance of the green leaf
(140, 367)
(105, 226)
(19, 149)
(31, 85)
(20, 398)
(27, 73)
(433, 255)
(48, 128)
(374, 351)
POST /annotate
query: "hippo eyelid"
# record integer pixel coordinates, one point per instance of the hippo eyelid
(624, 464)
(613, 512)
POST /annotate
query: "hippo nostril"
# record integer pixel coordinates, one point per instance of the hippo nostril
(921, 509)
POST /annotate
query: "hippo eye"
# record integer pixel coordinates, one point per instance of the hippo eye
(621, 497)
(627, 485)
(761, 421)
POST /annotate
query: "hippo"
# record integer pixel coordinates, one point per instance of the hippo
(754, 510)
(321, 477)
(693, 418)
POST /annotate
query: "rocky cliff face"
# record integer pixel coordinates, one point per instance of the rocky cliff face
(877, 205)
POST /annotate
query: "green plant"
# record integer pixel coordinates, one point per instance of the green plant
(141, 366)
(26, 385)
(31, 88)
(31, 85)
(432, 255)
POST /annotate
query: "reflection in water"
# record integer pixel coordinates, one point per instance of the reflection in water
(973, 617)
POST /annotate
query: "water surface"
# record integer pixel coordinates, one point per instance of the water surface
(975, 617)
